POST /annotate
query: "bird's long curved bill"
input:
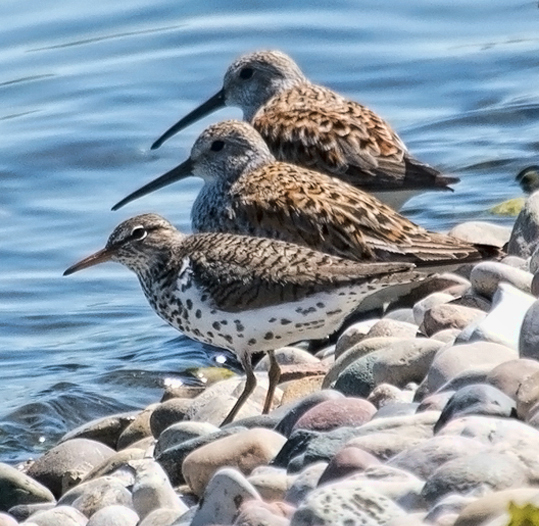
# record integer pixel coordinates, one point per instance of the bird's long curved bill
(212, 104)
(180, 172)
(98, 257)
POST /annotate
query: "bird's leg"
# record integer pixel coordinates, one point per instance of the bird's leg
(250, 384)
(274, 374)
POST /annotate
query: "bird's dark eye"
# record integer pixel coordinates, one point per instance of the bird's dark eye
(139, 233)
(217, 146)
(246, 73)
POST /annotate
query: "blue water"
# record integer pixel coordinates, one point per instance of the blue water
(85, 88)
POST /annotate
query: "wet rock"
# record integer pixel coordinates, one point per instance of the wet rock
(181, 432)
(347, 461)
(287, 356)
(177, 389)
(298, 409)
(89, 497)
(138, 429)
(152, 489)
(305, 482)
(478, 399)
(387, 327)
(482, 232)
(426, 457)
(168, 413)
(404, 362)
(224, 494)
(449, 362)
(59, 516)
(508, 376)
(484, 470)
(17, 488)
(343, 503)
(332, 414)
(114, 516)
(508, 303)
(245, 451)
(525, 233)
(487, 275)
(65, 465)
(427, 303)
(353, 335)
(105, 430)
(352, 354)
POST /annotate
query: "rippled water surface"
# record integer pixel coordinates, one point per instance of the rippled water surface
(85, 87)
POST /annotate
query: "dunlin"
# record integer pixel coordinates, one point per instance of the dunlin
(246, 294)
(314, 127)
(248, 191)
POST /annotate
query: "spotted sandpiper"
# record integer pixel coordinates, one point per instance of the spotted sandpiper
(247, 191)
(312, 126)
(246, 294)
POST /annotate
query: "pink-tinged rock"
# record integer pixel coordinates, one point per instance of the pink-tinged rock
(449, 316)
(508, 376)
(256, 513)
(347, 461)
(245, 451)
(336, 413)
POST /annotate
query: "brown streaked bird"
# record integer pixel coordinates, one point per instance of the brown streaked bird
(247, 191)
(247, 294)
(314, 127)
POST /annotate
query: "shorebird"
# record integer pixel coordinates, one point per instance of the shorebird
(247, 191)
(312, 126)
(246, 294)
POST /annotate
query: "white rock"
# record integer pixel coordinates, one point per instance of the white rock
(422, 306)
(58, 516)
(487, 275)
(114, 515)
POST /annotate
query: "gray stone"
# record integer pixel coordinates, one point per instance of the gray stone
(305, 482)
(63, 466)
(114, 515)
(525, 233)
(347, 461)
(529, 333)
(162, 517)
(353, 335)
(446, 336)
(358, 379)
(152, 489)
(449, 362)
(487, 275)
(255, 513)
(384, 394)
(58, 516)
(270, 482)
(168, 413)
(478, 399)
(397, 409)
(426, 457)
(105, 430)
(517, 262)
(181, 432)
(482, 471)
(96, 494)
(404, 314)
(472, 301)
(114, 462)
(404, 362)
(225, 492)
(482, 232)
(344, 503)
(452, 504)
(435, 401)
(528, 394)
(138, 429)
(360, 350)
(23, 511)
(533, 265)
(17, 488)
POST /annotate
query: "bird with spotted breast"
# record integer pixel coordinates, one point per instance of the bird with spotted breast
(246, 294)
(315, 127)
(247, 191)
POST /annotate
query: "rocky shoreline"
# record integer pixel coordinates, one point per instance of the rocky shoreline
(426, 415)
